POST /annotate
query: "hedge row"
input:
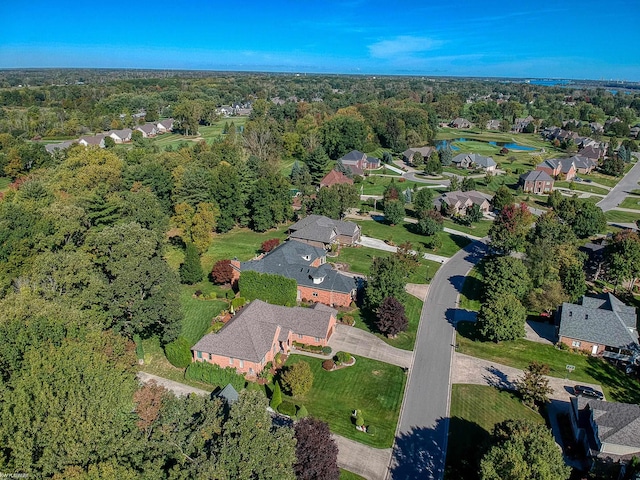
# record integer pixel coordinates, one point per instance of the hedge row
(214, 375)
(312, 348)
(274, 289)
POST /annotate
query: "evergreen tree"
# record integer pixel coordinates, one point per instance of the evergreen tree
(191, 269)
(318, 162)
(276, 396)
(446, 155)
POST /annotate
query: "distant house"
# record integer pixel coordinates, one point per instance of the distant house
(474, 160)
(600, 325)
(120, 136)
(493, 124)
(92, 140)
(594, 152)
(460, 123)
(596, 127)
(407, 155)
(634, 131)
(321, 231)
(358, 162)
(259, 331)
(608, 430)
(537, 182)
(460, 201)
(522, 123)
(306, 264)
(335, 177)
(148, 130)
(165, 125)
(53, 147)
(567, 167)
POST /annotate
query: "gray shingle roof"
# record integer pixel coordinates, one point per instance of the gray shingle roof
(250, 334)
(293, 259)
(475, 158)
(353, 156)
(618, 423)
(603, 320)
(536, 176)
(229, 394)
(451, 198)
(321, 229)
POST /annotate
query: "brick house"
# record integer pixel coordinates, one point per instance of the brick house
(322, 231)
(460, 123)
(459, 201)
(474, 160)
(536, 181)
(407, 155)
(359, 162)
(259, 331)
(335, 177)
(317, 281)
(600, 325)
(567, 167)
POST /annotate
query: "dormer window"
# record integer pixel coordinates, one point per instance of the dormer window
(306, 257)
(317, 280)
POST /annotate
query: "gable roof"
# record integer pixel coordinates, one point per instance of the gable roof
(229, 394)
(293, 259)
(147, 128)
(251, 333)
(92, 139)
(462, 198)
(424, 151)
(618, 423)
(474, 158)
(353, 156)
(536, 176)
(123, 134)
(335, 177)
(321, 229)
(52, 147)
(602, 320)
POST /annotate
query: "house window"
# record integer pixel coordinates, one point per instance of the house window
(230, 360)
(210, 357)
(317, 339)
(315, 294)
(199, 354)
(262, 360)
(300, 335)
(241, 363)
(575, 343)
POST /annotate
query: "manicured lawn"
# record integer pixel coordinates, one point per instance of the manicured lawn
(405, 233)
(347, 475)
(605, 180)
(479, 229)
(616, 384)
(207, 133)
(475, 409)
(197, 314)
(582, 187)
(404, 340)
(471, 295)
(359, 260)
(375, 185)
(374, 387)
(631, 202)
(621, 217)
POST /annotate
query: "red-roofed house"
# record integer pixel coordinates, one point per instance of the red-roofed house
(335, 177)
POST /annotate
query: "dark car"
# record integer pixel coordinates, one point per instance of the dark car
(582, 390)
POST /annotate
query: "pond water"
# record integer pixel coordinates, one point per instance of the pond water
(510, 145)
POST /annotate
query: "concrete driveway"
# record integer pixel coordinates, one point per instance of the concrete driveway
(180, 389)
(368, 462)
(380, 245)
(365, 344)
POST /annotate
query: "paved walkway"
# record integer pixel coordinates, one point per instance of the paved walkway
(630, 210)
(461, 234)
(380, 245)
(368, 462)
(180, 389)
(365, 344)
(418, 290)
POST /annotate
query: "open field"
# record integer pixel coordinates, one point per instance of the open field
(479, 229)
(207, 133)
(475, 409)
(373, 387)
(519, 353)
(376, 185)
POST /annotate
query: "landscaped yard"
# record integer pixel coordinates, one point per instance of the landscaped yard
(375, 185)
(478, 229)
(621, 217)
(373, 387)
(475, 409)
(519, 353)
(404, 340)
(359, 260)
(582, 187)
(207, 133)
(631, 202)
(471, 294)
(606, 180)
(405, 233)
(197, 314)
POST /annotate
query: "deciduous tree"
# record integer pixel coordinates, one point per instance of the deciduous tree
(394, 212)
(316, 451)
(391, 318)
(222, 272)
(297, 379)
(502, 317)
(533, 386)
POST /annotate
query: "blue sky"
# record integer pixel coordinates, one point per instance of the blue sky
(506, 38)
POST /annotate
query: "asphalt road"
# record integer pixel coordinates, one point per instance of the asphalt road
(420, 447)
(618, 193)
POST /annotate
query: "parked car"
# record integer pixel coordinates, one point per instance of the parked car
(584, 391)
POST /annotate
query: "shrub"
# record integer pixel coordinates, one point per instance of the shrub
(270, 244)
(302, 412)
(277, 360)
(287, 408)
(214, 375)
(328, 365)
(178, 352)
(274, 289)
(326, 350)
(359, 419)
(139, 349)
(372, 430)
(238, 302)
(348, 320)
(211, 296)
(215, 327)
(230, 295)
(297, 379)
(222, 272)
(198, 293)
(276, 397)
(343, 357)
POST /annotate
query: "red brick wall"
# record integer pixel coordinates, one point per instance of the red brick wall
(324, 296)
(584, 346)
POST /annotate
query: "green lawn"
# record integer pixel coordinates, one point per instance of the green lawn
(475, 409)
(606, 180)
(375, 185)
(374, 387)
(479, 229)
(207, 133)
(631, 202)
(519, 353)
(404, 340)
(197, 314)
(582, 187)
(347, 475)
(359, 260)
(621, 217)
(471, 295)
(405, 233)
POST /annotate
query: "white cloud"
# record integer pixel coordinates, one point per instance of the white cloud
(402, 46)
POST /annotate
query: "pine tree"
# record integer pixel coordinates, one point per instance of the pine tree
(191, 269)
(276, 397)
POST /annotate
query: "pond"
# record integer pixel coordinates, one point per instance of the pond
(510, 145)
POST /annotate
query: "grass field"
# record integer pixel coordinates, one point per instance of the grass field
(605, 180)
(405, 233)
(475, 409)
(404, 340)
(359, 260)
(347, 475)
(375, 185)
(471, 294)
(581, 187)
(207, 133)
(197, 314)
(621, 217)
(616, 384)
(479, 229)
(373, 387)
(631, 202)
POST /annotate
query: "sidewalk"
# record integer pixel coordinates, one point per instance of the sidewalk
(380, 245)
(368, 462)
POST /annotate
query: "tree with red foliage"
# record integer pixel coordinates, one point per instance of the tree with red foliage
(391, 318)
(509, 230)
(270, 244)
(148, 403)
(222, 272)
(316, 451)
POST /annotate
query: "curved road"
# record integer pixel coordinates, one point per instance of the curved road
(618, 193)
(421, 440)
